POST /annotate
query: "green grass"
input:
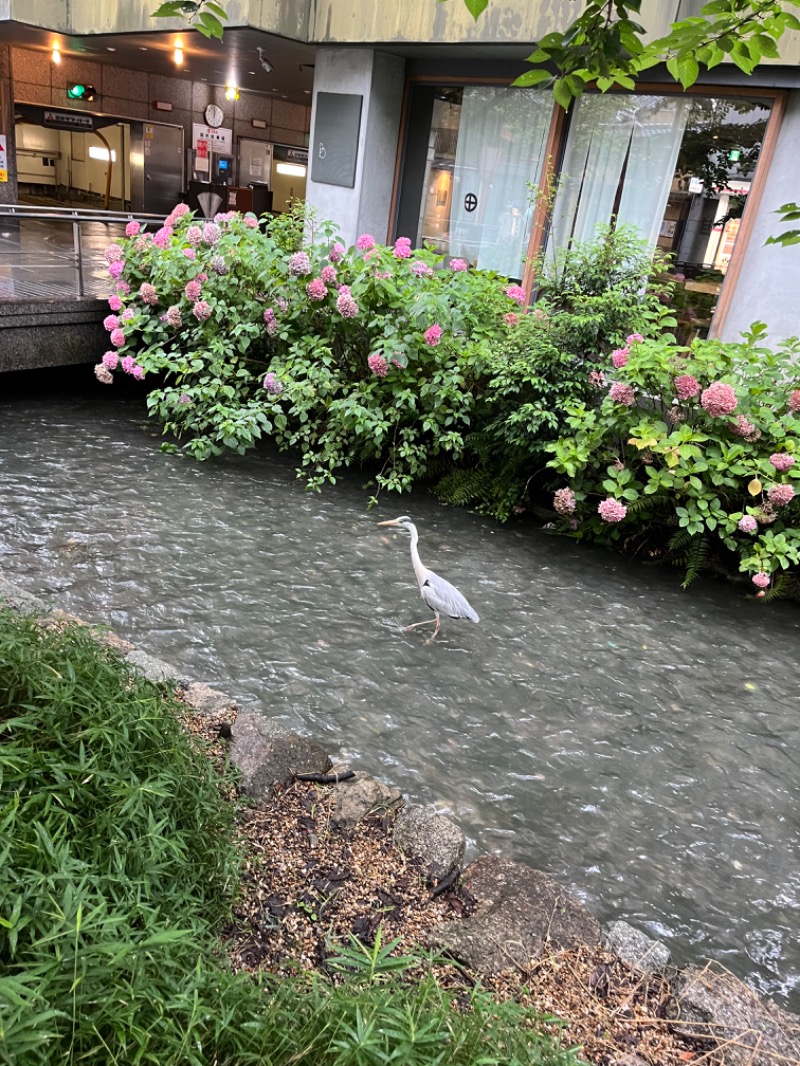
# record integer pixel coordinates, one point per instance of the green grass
(117, 869)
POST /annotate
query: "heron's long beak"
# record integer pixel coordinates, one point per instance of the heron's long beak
(391, 522)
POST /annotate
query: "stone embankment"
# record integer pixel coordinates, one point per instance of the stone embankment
(519, 912)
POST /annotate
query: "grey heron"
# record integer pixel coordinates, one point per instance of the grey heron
(440, 595)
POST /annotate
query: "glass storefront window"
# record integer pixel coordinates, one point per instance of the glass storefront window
(486, 150)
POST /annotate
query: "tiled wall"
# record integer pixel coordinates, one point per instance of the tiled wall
(130, 94)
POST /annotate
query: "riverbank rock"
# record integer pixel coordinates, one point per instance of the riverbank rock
(208, 701)
(635, 948)
(361, 796)
(267, 755)
(518, 910)
(712, 1003)
(153, 669)
(430, 838)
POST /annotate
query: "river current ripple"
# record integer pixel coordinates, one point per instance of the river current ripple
(639, 743)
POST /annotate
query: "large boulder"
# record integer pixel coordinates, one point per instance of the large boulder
(361, 796)
(208, 701)
(635, 948)
(712, 1004)
(268, 756)
(518, 911)
(431, 839)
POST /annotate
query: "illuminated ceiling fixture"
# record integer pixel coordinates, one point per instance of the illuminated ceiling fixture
(55, 55)
(232, 92)
(177, 56)
(293, 170)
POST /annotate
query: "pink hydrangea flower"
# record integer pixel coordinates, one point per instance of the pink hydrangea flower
(179, 210)
(299, 264)
(564, 501)
(328, 274)
(458, 265)
(115, 303)
(612, 510)
(132, 229)
(193, 290)
(194, 235)
(597, 379)
(269, 315)
(111, 360)
(365, 242)
(123, 287)
(422, 270)
(251, 221)
(718, 399)
(272, 385)
(148, 293)
(402, 248)
(743, 427)
(621, 392)
(110, 322)
(686, 386)
(619, 358)
(161, 237)
(345, 304)
(190, 253)
(516, 293)
(201, 310)
(282, 304)
(336, 253)
(316, 289)
(103, 374)
(115, 269)
(634, 338)
(173, 317)
(127, 315)
(781, 461)
(747, 524)
(794, 401)
(433, 334)
(114, 253)
(184, 398)
(128, 363)
(780, 495)
(211, 233)
(117, 338)
(378, 365)
(138, 372)
(761, 580)
(510, 318)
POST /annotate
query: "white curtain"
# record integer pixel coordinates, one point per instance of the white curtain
(500, 152)
(630, 139)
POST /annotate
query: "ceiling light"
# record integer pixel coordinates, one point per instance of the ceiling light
(55, 55)
(177, 56)
(110, 49)
(294, 170)
(231, 92)
(101, 154)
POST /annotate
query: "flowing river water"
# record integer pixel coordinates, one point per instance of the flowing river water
(639, 743)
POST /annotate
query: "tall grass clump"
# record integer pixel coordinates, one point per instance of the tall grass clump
(118, 866)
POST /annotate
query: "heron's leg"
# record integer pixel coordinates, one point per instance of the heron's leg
(433, 635)
(427, 622)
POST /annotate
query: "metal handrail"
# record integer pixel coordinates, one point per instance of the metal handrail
(76, 217)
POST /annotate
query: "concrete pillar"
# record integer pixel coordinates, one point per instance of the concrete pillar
(378, 79)
(8, 189)
(770, 276)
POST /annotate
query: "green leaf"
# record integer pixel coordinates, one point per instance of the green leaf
(562, 94)
(533, 77)
(476, 7)
(168, 10)
(688, 70)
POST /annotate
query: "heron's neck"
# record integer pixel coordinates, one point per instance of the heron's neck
(419, 569)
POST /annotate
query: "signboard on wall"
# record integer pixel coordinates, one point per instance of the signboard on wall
(220, 140)
(3, 158)
(337, 126)
(68, 120)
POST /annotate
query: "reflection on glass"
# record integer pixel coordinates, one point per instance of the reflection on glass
(486, 148)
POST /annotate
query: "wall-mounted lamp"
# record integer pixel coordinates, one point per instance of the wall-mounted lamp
(55, 55)
(232, 92)
(258, 123)
(162, 105)
(266, 66)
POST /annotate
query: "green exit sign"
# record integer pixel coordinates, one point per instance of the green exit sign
(734, 155)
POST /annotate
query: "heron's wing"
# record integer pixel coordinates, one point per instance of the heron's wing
(445, 598)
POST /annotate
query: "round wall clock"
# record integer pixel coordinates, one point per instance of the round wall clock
(214, 115)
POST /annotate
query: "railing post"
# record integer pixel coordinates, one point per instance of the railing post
(78, 246)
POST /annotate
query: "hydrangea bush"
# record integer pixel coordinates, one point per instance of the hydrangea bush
(370, 353)
(693, 455)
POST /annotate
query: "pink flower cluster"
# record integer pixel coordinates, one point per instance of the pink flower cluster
(564, 502)
(127, 315)
(111, 360)
(345, 304)
(115, 269)
(194, 235)
(433, 334)
(299, 264)
(316, 289)
(132, 229)
(597, 379)
(190, 253)
(510, 318)
(780, 495)
(178, 211)
(110, 322)
(161, 237)
(619, 357)
(516, 293)
(117, 338)
(124, 288)
(272, 385)
(761, 580)
(328, 274)
(620, 392)
(634, 338)
(743, 427)
(148, 293)
(459, 265)
(115, 303)
(251, 221)
(422, 270)
(211, 233)
(173, 317)
(130, 366)
(794, 401)
(378, 365)
(103, 374)
(612, 510)
(114, 253)
(781, 461)
(718, 400)
(201, 310)
(402, 248)
(747, 524)
(365, 242)
(336, 253)
(686, 386)
(192, 290)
